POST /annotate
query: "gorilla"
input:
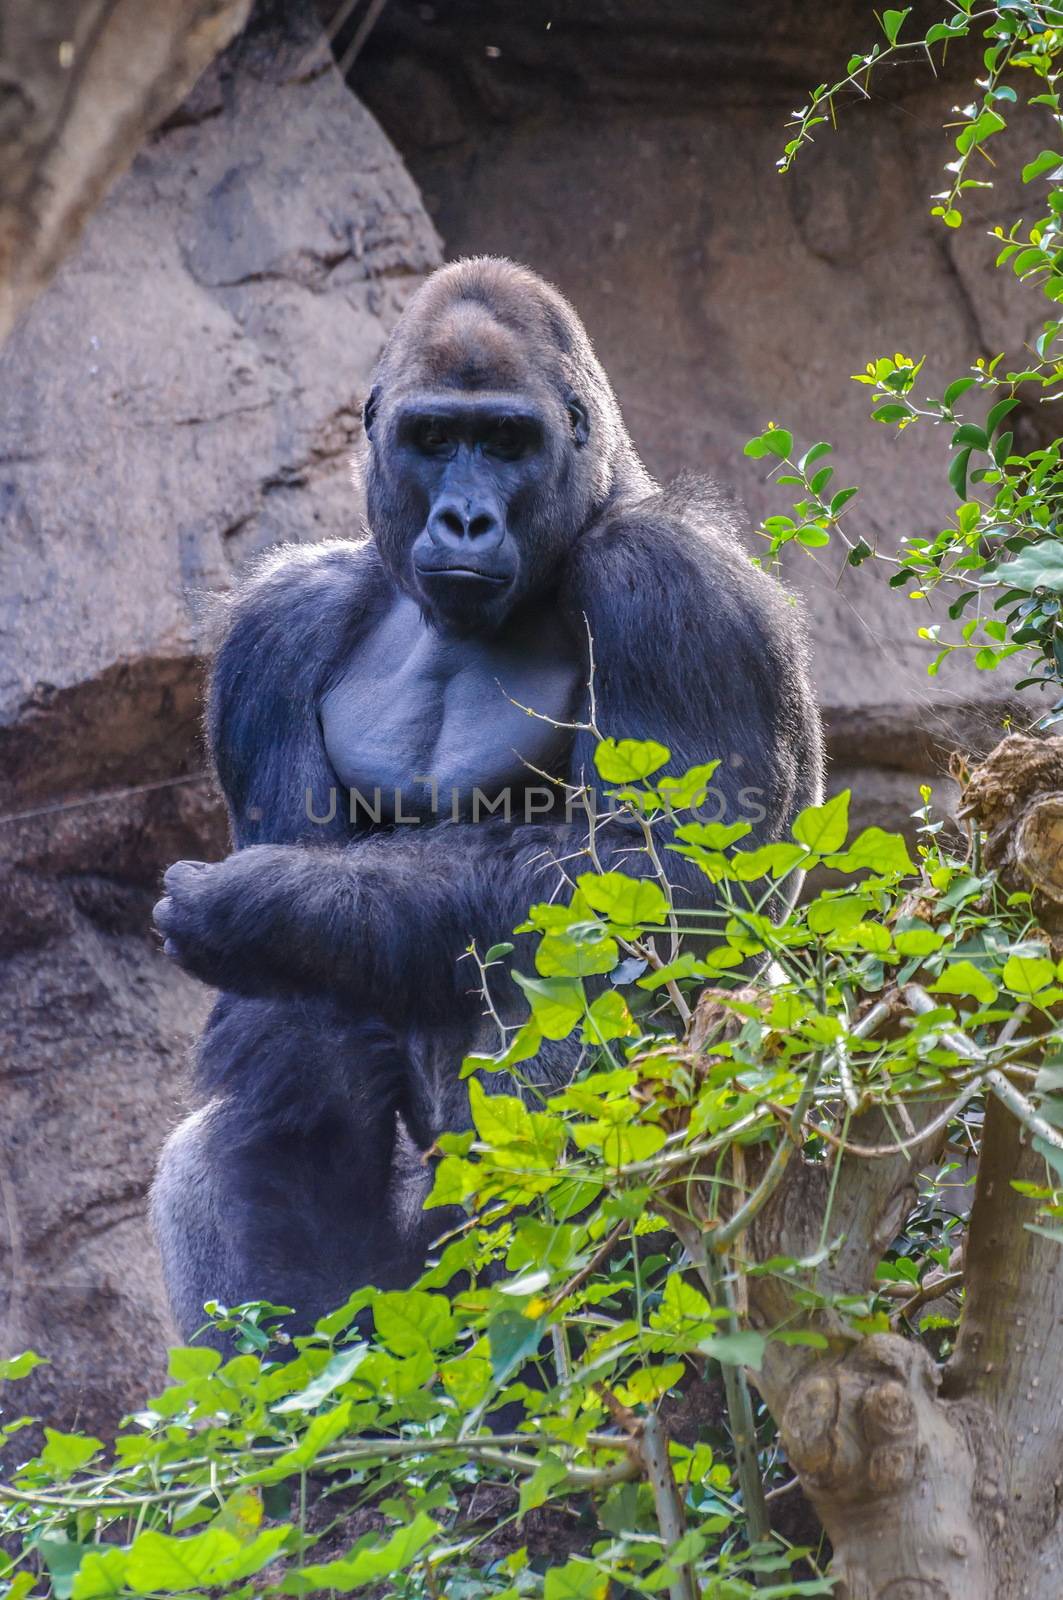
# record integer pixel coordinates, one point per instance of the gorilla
(392, 800)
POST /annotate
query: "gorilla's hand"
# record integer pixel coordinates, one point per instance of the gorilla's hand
(249, 923)
(188, 917)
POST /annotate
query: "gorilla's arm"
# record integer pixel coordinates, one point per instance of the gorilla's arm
(289, 627)
(692, 647)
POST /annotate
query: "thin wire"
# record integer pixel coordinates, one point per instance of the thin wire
(102, 799)
(365, 28)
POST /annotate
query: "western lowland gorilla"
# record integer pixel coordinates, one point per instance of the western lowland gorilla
(391, 801)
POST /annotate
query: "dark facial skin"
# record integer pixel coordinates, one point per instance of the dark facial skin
(476, 473)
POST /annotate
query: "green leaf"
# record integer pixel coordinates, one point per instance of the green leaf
(628, 901)
(823, 828)
(1039, 567)
(713, 835)
(871, 936)
(813, 454)
(619, 1142)
(964, 978)
(101, 1575)
(892, 22)
(774, 859)
(778, 442)
(512, 1338)
(874, 850)
(21, 1365)
(525, 1043)
(970, 433)
(366, 1563)
(337, 1371)
(683, 1313)
(958, 473)
(983, 127)
(744, 1349)
(1042, 163)
(323, 1430)
(967, 517)
(917, 942)
(629, 760)
(66, 1453)
(578, 1579)
(536, 1490)
(893, 411)
(568, 955)
(947, 30)
(806, 1337)
(955, 389)
(63, 1557)
(837, 914)
(500, 1119)
(1027, 975)
(609, 1018)
(812, 536)
(157, 1563)
(186, 1364)
(557, 1004)
(690, 789)
(997, 414)
(21, 1586)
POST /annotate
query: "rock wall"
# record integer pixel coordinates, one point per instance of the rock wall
(629, 154)
(186, 392)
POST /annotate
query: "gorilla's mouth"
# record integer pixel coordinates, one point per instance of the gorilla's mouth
(463, 574)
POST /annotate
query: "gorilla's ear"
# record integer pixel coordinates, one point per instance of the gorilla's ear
(577, 415)
(369, 409)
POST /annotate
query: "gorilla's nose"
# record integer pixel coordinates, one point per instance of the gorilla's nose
(456, 524)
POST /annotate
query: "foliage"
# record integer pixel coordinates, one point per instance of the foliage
(999, 558)
(557, 1320)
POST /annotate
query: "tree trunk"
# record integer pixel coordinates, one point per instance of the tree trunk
(935, 1483)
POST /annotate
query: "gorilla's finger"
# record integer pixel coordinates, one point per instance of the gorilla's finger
(162, 914)
(183, 874)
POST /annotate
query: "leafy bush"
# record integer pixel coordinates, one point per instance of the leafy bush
(999, 557)
(601, 1262)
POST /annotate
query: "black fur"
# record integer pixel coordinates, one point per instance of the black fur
(348, 1006)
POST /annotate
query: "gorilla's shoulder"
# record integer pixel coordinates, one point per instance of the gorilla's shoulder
(683, 542)
(292, 571)
(295, 589)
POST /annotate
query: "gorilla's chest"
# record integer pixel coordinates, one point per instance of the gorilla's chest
(420, 719)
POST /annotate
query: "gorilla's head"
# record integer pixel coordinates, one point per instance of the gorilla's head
(494, 439)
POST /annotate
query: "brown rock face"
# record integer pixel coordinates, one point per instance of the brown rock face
(629, 154)
(81, 83)
(185, 393)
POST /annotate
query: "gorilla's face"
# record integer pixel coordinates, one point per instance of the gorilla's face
(473, 496)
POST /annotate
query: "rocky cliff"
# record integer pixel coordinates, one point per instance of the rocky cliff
(185, 393)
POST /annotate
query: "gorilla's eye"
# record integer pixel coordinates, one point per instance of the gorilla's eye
(433, 438)
(507, 440)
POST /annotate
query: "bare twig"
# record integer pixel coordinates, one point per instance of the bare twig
(597, 1260)
(653, 1448)
(932, 1289)
(1006, 1092)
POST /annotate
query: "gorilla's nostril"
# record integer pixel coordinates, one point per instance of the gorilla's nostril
(481, 525)
(453, 523)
